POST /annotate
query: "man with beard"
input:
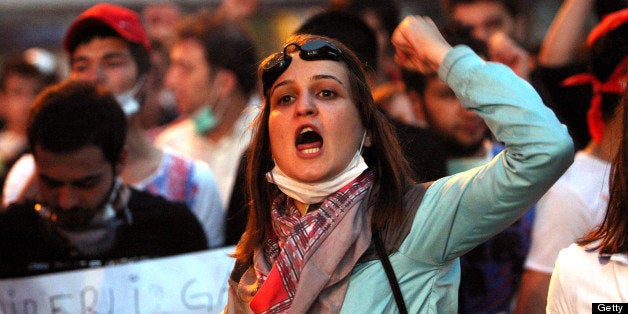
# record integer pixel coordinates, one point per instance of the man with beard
(83, 216)
(491, 272)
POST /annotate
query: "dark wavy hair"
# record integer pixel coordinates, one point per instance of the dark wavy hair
(384, 157)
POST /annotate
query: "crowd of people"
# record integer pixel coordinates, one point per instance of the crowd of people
(433, 168)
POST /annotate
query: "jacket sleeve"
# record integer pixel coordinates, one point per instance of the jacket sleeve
(463, 210)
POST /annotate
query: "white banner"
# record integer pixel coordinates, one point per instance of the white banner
(188, 283)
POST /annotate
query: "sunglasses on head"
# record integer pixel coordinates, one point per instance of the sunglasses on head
(310, 51)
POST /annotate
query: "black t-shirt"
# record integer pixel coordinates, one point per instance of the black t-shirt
(29, 246)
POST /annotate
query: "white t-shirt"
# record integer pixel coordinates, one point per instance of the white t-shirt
(223, 156)
(573, 205)
(11, 145)
(582, 278)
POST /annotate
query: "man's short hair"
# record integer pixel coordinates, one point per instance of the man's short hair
(227, 46)
(386, 11)
(71, 115)
(347, 28)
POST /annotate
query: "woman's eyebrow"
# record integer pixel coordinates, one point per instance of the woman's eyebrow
(326, 76)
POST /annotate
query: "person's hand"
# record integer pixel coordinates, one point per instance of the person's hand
(419, 44)
(503, 49)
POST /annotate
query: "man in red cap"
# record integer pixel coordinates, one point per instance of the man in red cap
(108, 45)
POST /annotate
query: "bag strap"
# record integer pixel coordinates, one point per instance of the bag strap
(390, 272)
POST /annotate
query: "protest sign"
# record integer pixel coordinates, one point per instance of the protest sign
(188, 283)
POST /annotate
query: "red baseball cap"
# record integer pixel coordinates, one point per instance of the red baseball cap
(124, 21)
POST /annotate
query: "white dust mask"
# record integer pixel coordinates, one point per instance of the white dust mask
(127, 100)
(312, 193)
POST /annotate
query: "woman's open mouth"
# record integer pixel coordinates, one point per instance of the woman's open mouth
(308, 142)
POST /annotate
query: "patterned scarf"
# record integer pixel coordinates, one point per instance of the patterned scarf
(294, 244)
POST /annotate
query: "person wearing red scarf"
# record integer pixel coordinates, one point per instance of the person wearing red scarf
(578, 201)
(336, 224)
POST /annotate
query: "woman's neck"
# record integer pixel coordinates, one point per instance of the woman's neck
(302, 207)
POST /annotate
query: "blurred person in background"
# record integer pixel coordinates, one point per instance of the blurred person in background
(485, 18)
(160, 19)
(107, 45)
(578, 200)
(563, 53)
(22, 77)
(501, 24)
(159, 108)
(83, 215)
(212, 76)
(595, 267)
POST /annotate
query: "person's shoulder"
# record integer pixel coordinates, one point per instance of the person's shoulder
(17, 177)
(145, 203)
(157, 214)
(175, 131)
(584, 161)
(181, 160)
(155, 211)
(576, 257)
(25, 161)
(19, 219)
(196, 169)
(583, 177)
(19, 211)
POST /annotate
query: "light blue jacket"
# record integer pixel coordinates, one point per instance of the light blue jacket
(461, 211)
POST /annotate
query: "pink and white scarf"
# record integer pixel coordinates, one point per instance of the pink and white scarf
(318, 249)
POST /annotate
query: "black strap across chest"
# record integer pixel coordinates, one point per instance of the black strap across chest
(390, 272)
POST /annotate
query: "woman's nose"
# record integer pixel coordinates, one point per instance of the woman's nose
(305, 106)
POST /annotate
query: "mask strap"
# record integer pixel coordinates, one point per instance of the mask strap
(362, 142)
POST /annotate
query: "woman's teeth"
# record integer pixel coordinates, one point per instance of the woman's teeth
(311, 150)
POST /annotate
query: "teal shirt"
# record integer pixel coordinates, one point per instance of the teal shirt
(461, 211)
